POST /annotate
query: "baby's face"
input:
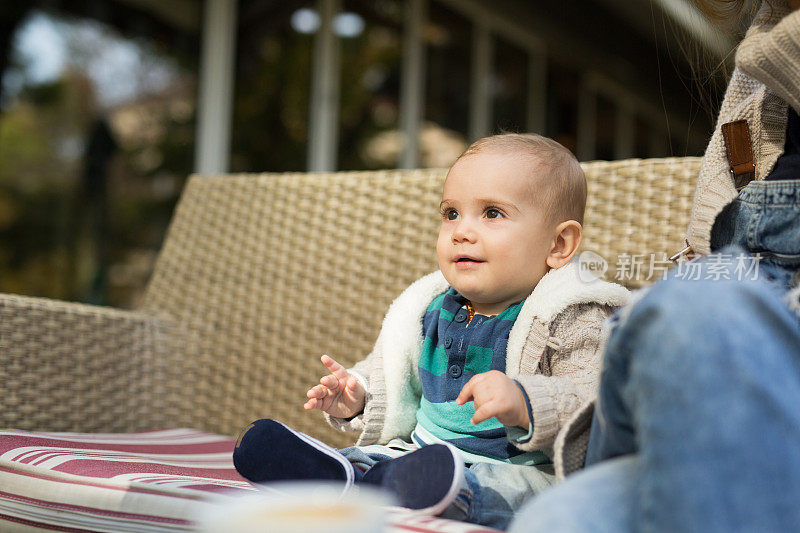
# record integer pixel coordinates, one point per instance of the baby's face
(494, 239)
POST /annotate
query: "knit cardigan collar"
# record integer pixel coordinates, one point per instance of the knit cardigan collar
(556, 291)
(401, 332)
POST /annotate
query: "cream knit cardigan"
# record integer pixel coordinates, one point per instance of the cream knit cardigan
(554, 351)
(765, 81)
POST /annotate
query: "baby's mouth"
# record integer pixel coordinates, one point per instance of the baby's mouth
(467, 260)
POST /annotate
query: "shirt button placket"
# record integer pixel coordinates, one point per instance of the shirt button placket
(454, 371)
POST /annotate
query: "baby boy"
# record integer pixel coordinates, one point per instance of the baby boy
(477, 366)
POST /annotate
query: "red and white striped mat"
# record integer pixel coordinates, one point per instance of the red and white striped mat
(154, 481)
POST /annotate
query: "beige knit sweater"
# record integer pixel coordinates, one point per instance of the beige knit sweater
(765, 81)
(554, 351)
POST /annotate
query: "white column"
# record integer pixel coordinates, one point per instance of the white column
(324, 116)
(537, 91)
(625, 131)
(215, 107)
(412, 88)
(480, 107)
(587, 122)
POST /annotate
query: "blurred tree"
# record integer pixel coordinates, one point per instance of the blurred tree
(11, 15)
(91, 164)
(40, 146)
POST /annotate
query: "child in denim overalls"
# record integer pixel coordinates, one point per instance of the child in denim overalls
(697, 423)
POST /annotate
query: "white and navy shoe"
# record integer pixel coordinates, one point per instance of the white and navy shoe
(268, 450)
(428, 479)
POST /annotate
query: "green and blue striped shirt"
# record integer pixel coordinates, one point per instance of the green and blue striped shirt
(455, 349)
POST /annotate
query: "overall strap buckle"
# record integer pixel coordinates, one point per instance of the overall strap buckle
(739, 149)
(687, 252)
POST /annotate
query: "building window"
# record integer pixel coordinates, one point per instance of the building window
(370, 84)
(272, 88)
(605, 128)
(562, 105)
(510, 87)
(448, 38)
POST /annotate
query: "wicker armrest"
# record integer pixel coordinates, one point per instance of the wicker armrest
(74, 367)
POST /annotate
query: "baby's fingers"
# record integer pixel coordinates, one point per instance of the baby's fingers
(335, 368)
(330, 381)
(484, 412)
(353, 390)
(466, 392)
(320, 391)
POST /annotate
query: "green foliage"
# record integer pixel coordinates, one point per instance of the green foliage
(60, 237)
(36, 180)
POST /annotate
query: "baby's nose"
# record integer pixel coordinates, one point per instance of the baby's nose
(463, 232)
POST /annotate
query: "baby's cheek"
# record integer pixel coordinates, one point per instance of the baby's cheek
(505, 251)
(443, 244)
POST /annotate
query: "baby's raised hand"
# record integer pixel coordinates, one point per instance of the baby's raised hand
(339, 393)
(495, 394)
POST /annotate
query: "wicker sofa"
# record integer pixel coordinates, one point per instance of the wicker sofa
(258, 276)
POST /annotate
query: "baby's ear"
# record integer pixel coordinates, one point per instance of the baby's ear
(567, 239)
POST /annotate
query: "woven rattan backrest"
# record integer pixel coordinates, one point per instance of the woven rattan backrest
(268, 272)
(637, 212)
(272, 271)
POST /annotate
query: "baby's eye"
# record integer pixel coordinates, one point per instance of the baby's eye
(493, 213)
(450, 214)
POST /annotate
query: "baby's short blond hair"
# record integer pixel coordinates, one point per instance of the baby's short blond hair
(561, 186)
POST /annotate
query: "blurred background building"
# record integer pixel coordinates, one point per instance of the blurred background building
(107, 106)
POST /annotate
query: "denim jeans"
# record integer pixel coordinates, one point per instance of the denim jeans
(697, 424)
(494, 492)
(763, 219)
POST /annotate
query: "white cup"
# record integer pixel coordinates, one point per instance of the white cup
(299, 507)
